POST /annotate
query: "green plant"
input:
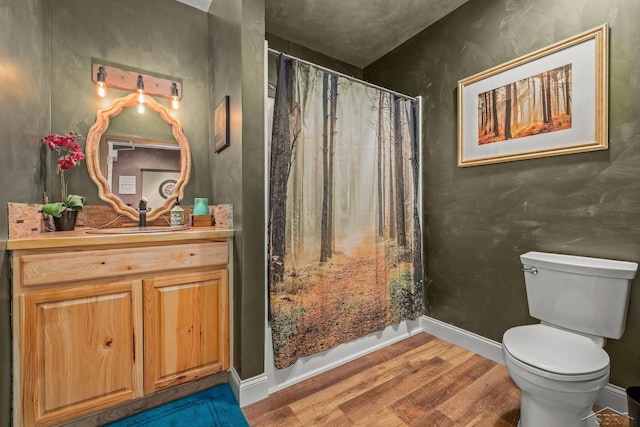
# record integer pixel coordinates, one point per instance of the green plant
(72, 201)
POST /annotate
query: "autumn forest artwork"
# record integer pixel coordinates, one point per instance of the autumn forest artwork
(537, 104)
(344, 231)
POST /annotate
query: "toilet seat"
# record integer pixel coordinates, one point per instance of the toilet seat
(555, 354)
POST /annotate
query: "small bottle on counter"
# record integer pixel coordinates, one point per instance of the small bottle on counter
(177, 214)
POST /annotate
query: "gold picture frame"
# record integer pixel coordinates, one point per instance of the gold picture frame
(550, 102)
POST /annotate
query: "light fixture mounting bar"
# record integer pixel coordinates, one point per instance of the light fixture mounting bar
(128, 80)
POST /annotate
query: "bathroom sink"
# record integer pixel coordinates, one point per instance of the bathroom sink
(137, 230)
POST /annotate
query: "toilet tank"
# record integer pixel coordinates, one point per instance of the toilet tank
(588, 295)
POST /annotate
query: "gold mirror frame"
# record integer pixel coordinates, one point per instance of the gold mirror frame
(93, 162)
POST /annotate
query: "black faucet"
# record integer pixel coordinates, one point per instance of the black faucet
(142, 212)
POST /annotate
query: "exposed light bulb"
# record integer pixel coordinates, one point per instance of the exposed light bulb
(141, 108)
(101, 85)
(140, 90)
(102, 89)
(175, 101)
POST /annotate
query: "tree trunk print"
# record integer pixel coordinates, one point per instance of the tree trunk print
(567, 92)
(556, 91)
(280, 164)
(516, 120)
(543, 95)
(507, 113)
(392, 171)
(325, 236)
(332, 143)
(401, 233)
(494, 114)
(548, 93)
(417, 233)
(532, 98)
(294, 230)
(380, 162)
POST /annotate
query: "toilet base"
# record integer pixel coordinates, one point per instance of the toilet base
(552, 402)
(535, 414)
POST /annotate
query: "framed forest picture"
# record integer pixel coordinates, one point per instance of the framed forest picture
(550, 102)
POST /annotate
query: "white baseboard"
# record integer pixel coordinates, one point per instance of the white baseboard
(478, 344)
(250, 390)
(311, 366)
(612, 396)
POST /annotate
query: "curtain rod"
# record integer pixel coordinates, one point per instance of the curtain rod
(346, 76)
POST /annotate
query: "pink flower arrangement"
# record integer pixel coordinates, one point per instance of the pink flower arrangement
(69, 154)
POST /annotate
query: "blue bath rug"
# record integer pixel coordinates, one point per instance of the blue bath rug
(208, 408)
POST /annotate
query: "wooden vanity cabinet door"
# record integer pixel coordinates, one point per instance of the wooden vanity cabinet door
(79, 350)
(186, 328)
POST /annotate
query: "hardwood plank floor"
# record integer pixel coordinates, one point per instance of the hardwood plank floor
(420, 381)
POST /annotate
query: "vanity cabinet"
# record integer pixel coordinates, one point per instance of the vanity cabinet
(78, 345)
(185, 328)
(99, 321)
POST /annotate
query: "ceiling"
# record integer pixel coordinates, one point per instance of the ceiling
(198, 4)
(357, 32)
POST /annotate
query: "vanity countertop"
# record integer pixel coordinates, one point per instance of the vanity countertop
(83, 237)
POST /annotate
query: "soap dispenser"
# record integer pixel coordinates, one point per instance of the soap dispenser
(177, 214)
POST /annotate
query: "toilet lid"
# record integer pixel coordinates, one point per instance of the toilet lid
(555, 350)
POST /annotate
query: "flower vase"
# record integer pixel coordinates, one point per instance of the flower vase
(67, 221)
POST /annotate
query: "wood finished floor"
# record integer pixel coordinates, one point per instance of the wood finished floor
(420, 381)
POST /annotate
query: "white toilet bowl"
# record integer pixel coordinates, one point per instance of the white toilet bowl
(559, 364)
(560, 375)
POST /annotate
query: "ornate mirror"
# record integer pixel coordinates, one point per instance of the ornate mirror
(160, 163)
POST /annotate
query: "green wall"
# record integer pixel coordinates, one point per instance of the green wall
(159, 36)
(237, 69)
(478, 220)
(24, 119)
(250, 325)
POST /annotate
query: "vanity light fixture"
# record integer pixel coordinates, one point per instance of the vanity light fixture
(101, 85)
(143, 83)
(175, 101)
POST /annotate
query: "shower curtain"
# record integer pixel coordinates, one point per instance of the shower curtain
(344, 237)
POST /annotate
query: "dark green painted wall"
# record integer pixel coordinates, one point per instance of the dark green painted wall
(24, 119)
(478, 220)
(225, 44)
(237, 69)
(159, 36)
(250, 326)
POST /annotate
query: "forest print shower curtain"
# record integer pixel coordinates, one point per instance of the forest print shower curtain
(344, 232)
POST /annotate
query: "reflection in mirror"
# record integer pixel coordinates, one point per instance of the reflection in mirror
(136, 168)
(132, 155)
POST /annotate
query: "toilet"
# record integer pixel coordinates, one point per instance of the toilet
(560, 365)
